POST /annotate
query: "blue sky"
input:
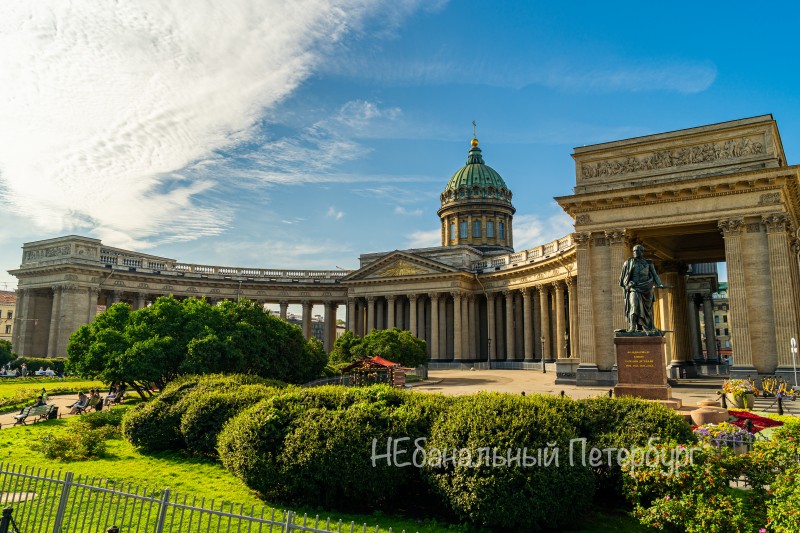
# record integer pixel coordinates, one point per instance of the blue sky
(301, 134)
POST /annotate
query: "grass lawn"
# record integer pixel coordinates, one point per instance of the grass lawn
(207, 479)
(17, 392)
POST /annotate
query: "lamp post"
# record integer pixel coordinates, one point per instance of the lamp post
(544, 369)
(566, 344)
(794, 360)
(489, 353)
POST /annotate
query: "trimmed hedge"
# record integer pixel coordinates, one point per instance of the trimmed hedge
(205, 413)
(314, 446)
(33, 364)
(156, 425)
(626, 423)
(533, 498)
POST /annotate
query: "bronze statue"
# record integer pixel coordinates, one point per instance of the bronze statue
(638, 279)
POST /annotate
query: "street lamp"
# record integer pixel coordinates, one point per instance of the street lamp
(566, 344)
(489, 353)
(794, 361)
(544, 369)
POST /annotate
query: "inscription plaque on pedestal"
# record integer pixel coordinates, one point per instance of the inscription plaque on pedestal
(641, 371)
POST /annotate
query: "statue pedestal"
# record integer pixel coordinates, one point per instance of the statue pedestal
(640, 369)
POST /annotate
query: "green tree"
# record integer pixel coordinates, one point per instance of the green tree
(396, 345)
(6, 354)
(175, 337)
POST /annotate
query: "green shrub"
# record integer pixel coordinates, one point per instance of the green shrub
(626, 423)
(315, 445)
(112, 417)
(153, 426)
(205, 413)
(77, 445)
(33, 364)
(515, 498)
(782, 510)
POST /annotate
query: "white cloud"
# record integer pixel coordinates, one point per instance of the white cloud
(532, 230)
(398, 210)
(103, 104)
(683, 77)
(335, 214)
(425, 238)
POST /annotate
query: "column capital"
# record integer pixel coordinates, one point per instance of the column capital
(731, 227)
(434, 296)
(370, 299)
(617, 236)
(679, 267)
(413, 297)
(283, 302)
(707, 297)
(776, 222)
(582, 238)
(507, 292)
(490, 296)
(556, 284)
(456, 294)
(94, 290)
(391, 298)
(526, 292)
(570, 282)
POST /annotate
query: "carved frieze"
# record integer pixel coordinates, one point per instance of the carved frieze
(85, 251)
(119, 283)
(730, 227)
(71, 277)
(769, 198)
(677, 157)
(583, 219)
(48, 253)
(401, 268)
(143, 286)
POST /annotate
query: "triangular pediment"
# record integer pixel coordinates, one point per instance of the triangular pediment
(400, 265)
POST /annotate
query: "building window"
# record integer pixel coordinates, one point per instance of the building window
(502, 230)
(476, 228)
(716, 319)
(727, 344)
(463, 232)
(717, 332)
(490, 229)
(8, 330)
(724, 318)
(10, 315)
(453, 231)
(726, 331)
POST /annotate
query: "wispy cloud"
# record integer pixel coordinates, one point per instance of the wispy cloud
(533, 230)
(112, 111)
(425, 238)
(398, 210)
(335, 214)
(683, 77)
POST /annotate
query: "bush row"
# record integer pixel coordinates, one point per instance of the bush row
(190, 411)
(327, 446)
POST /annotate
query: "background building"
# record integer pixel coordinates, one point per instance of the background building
(8, 302)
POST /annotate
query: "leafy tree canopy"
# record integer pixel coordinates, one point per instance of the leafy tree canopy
(5, 352)
(175, 337)
(393, 344)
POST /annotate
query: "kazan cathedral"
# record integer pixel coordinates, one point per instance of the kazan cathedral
(693, 198)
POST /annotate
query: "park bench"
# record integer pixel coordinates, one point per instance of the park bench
(40, 412)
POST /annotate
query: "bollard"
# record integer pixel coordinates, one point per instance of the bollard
(724, 402)
(780, 405)
(610, 393)
(112, 529)
(562, 393)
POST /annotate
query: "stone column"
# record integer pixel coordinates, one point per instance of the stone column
(116, 296)
(91, 309)
(619, 242)
(21, 344)
(694, 327)
(474, 333)
(500, 333)
(711, 334)
(457, 344)
(370, 314)
(561, 323)
(412, 307)
(519, 328)
(587, 353)
(465, 327)
(544, 304)
(360, 319)
(737, 315)
(70, 316)
(380, 305)
(784, 311)
(284, 306)
(55, 319)
(390, 304)
(434, 325)
(572, 321)
(308, 308)
(527, 320)
(491, 327)
(511, 352)
(537, 322)
(141, 300)
(330, 325)
(351, 316)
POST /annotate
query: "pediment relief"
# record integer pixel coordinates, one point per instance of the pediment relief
(399, 265)
(401, 268)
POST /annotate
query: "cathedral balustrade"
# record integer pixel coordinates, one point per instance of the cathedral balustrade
(532, 255)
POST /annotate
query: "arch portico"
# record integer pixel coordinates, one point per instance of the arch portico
(716, 193)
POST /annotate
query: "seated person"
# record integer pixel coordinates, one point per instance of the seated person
(39, 401)
(82, 399)
(43, 396)
(112, 395)
(49, 372)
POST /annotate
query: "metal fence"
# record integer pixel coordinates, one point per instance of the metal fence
(48, 501)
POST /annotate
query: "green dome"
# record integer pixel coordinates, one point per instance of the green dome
(476, 181)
